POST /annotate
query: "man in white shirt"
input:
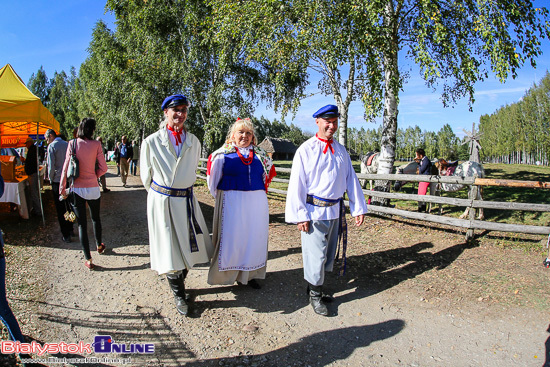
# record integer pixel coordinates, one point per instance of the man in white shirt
(321, 173)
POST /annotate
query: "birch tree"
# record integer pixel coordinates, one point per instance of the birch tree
(295, 38)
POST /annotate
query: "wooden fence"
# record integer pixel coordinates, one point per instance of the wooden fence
(470, 224)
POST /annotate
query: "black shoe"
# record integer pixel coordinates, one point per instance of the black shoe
(254, 284)
(316, 301)
(106, 190)
(177, 285)
(181, 305)
(67, 239)
(325, 297)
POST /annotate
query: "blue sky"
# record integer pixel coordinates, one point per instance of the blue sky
(55, 34)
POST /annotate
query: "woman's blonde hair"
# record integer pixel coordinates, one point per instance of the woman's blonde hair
(247, 124)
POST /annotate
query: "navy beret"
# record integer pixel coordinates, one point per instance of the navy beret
(329, 110)
(174, 100)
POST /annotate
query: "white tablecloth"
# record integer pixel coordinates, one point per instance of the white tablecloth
(14, 192)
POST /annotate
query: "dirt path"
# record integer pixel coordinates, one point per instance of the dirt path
(412, 296)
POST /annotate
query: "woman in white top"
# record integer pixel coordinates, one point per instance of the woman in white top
(238, 176)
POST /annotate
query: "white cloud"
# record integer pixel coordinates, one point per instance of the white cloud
(499, 91)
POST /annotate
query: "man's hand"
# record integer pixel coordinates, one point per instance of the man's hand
(303, 226)
(359, 220)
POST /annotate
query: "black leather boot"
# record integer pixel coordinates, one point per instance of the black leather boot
(325, 297)
(177, 285)
(316, 300)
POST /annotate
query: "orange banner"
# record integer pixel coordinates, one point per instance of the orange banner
(13, 141)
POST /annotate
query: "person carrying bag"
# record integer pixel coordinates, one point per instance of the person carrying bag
(84, 164)
(73, 170)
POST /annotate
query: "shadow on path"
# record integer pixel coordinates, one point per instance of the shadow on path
(366, 275)
(146, 325)
(320, 349)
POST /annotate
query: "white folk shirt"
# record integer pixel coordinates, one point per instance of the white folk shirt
(327, 176)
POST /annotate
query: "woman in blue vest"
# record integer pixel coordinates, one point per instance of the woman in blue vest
(238, 176)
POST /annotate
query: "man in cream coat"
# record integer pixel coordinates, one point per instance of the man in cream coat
(178, 235)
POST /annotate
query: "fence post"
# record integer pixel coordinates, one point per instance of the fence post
(472, 212)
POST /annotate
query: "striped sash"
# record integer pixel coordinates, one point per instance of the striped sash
(194, 227)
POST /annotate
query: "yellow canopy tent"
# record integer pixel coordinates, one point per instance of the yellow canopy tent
(22, 114)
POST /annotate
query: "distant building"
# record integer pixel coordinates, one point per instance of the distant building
(278, 149)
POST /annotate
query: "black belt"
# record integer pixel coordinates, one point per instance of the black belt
(194, 227)
(342, 224)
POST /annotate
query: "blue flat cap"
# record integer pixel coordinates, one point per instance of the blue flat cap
(174, 100)
(329, 110)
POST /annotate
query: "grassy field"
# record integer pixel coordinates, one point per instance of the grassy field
(491, 193)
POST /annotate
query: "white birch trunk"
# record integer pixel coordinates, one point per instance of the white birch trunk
(389, 128)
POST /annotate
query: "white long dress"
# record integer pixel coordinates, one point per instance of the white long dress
(240, 230)
(167, 219)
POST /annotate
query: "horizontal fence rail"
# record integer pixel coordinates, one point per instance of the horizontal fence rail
(470, 224)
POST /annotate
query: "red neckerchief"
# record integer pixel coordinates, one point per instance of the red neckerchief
(246, 161)
(328, 144)
(177, 134)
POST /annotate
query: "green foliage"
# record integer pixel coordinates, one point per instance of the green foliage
(446, 143)
(61, 104)
(161, 48)
(454, 43)
(443, 144)
(39, 85)
(520, 132)
(292, 38)
(60, 95)
(226, 62)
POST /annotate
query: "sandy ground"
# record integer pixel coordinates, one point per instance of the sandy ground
(412, 296)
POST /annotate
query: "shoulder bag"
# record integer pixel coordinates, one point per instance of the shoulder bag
(73, 170)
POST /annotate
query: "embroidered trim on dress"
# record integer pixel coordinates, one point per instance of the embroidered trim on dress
(241, 268)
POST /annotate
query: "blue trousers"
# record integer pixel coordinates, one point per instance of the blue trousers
(319, 249)
(133, 166)
(5, 311)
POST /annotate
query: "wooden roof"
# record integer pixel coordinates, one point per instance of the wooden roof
(277, 145)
